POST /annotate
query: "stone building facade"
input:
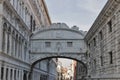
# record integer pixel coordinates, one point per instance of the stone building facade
(103, 40)
(80, 72)
(18, 19)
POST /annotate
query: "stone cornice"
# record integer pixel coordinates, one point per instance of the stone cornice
(46, 10)
(67, 29)
(106, 12)
(13, 59)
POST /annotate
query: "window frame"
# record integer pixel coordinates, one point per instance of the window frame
(69, 44)
(47, 44)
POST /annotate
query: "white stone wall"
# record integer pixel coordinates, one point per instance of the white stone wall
(46, 69)
(15, 31)
(99, 59)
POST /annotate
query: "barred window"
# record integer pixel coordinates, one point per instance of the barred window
(101, 57)
(111, 57)
(47, 44)
(94, 41)
(69, 44)
(100, 35)
(110, 26)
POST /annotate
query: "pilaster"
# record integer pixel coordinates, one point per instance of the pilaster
(19, 75)
(10, 50)
(9, 77)
(22, 75)
(1, 22)
(0, 71)
(4, 76)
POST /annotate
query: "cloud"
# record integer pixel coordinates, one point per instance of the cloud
(93, 6)
(75, 12)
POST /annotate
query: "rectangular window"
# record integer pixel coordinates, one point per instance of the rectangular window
(95, 64)
(110, 26)
(69, 44)
(94, 41)
(101, 35)
(111, 57)
(47, 44)
(34, 24)
(31, 23)
(101, 57)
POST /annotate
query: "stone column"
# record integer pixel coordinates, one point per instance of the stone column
(5, 42)
(19, 75)
(1, 23)
(27, 75)
(10, 46)
(9, 77)
(14, 48)
(0, 72)
(4, 75)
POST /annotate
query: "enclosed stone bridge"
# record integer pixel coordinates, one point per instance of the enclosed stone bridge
(58, 41)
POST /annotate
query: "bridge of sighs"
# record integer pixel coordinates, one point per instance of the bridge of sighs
(58, 41)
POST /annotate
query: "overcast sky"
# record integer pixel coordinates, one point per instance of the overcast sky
(81, 13)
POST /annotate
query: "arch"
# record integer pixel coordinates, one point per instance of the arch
(34, 63)
(9, 29)
(16, 37)
(4, 26)
(19, 39)
(13, 33)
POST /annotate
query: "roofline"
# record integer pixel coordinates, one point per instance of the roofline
(44, 30)
(46, 10)
(104, 14)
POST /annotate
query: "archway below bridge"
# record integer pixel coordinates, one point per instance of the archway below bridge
(78, 61)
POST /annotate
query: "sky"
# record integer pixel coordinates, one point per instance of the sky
(65, 62)
(81, 13)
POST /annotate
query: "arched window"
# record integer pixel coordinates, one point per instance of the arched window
(6, 73)
(26, 14)
(13, 43)
(2, 71)
(16, 44)
(4, 36)
(14, 74)
(11, 74)
(19, 47)
(8, 39)
(25, 75)
(22, 48)
(25, 50)
(4, 27)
